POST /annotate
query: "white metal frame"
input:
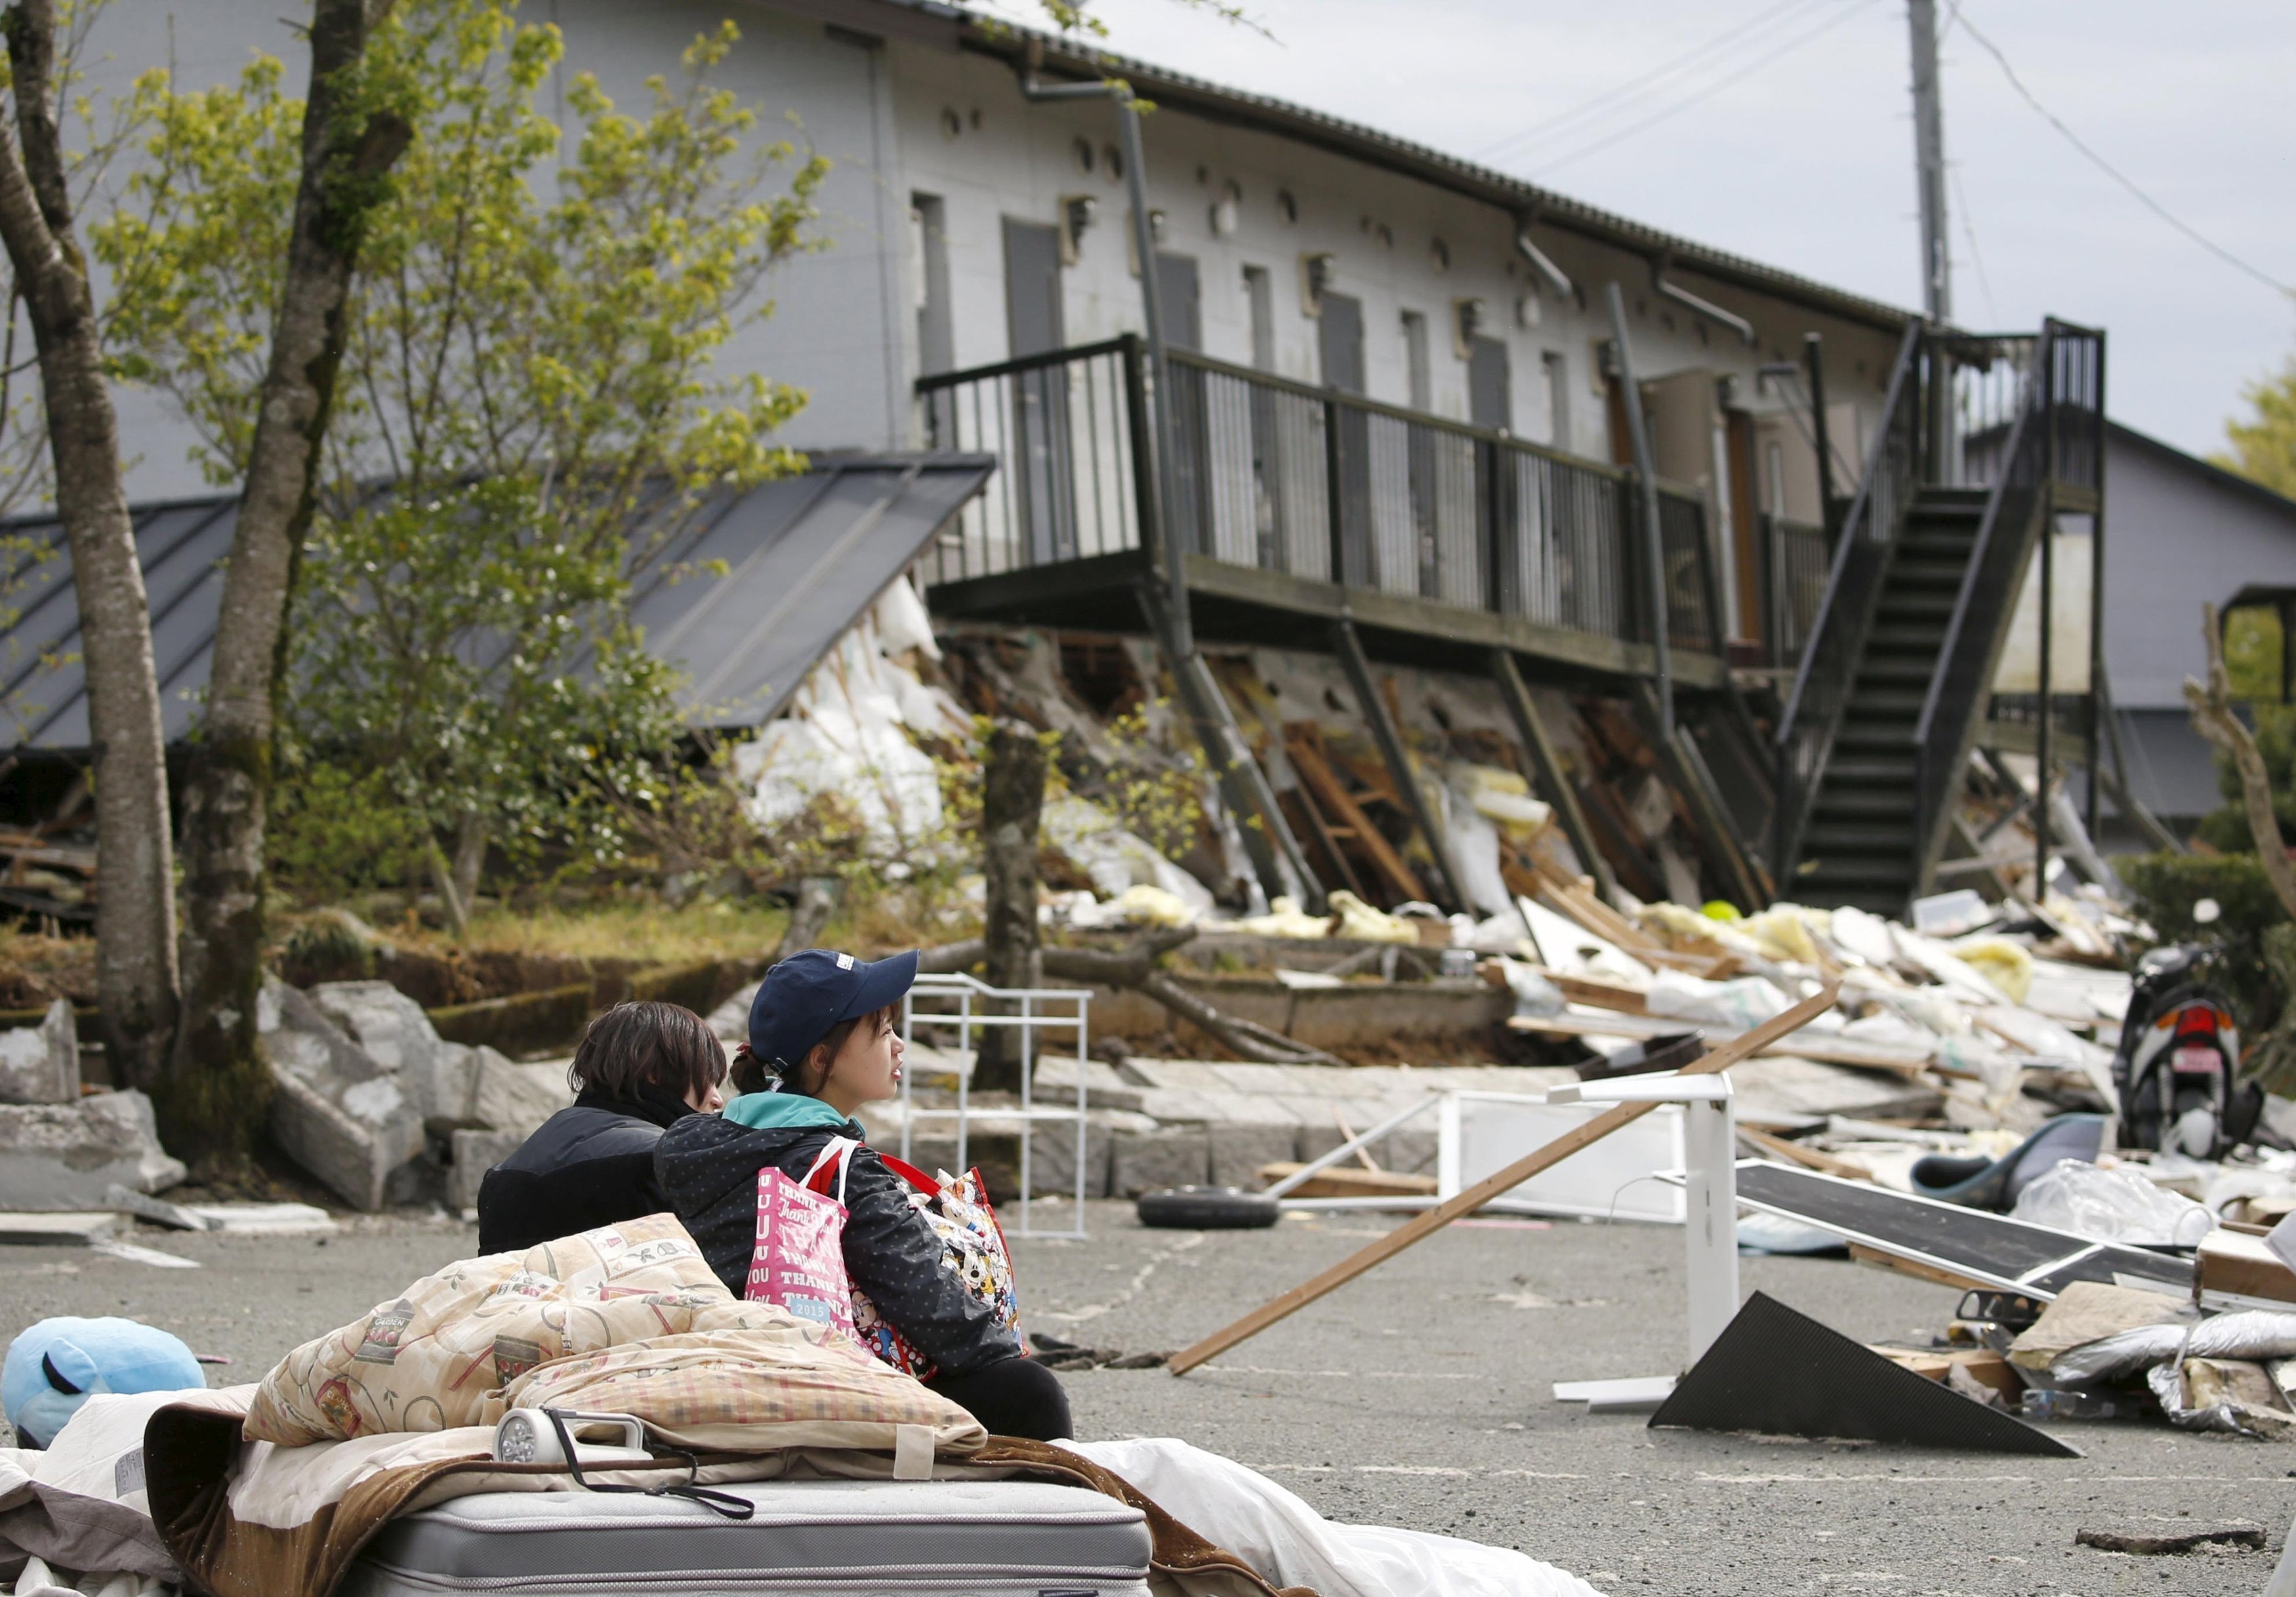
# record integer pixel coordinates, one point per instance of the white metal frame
(973, 999)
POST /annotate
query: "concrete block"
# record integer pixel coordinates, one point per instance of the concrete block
(394, 1032)
(511, 1096)
(474, 1154)
(1053, 1157)
(337, 1113)
(1238, 1150)
(57, 1230)
(40, 1064)
(66, 1157)
(1173, 1156)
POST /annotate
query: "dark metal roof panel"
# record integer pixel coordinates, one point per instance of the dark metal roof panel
(804, 557)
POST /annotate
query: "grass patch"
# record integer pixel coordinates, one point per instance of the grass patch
(646, 931)
(36, 968)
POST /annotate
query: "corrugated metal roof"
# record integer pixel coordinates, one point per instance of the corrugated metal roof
(805, 555)
(1069, 58)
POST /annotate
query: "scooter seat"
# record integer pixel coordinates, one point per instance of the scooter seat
(1981, 1183)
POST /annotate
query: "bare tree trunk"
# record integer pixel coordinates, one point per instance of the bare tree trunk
(214, 1098)
(1011, 808)
(2213, 717)
(135, 972)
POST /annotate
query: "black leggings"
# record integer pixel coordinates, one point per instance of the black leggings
(1012, 1397)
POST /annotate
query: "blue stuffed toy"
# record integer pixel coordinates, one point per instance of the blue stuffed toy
(56, 1366)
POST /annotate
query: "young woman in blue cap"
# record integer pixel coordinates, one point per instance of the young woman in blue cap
(823, 1042)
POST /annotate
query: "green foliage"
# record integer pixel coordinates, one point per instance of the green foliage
(2264, 445)
(528, 405)
(333, 831)
(2168, 885)
(2253, 640)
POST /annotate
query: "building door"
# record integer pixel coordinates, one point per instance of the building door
(1489, 389)
(1039, 457)
(1180, 297)
(1339, 338)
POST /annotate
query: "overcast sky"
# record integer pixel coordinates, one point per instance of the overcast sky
(1791, 141)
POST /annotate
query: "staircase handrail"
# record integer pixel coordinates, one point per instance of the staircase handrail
(1988, 593)
(1853, 589)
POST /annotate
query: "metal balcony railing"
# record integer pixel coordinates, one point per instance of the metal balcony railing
(1329, 487)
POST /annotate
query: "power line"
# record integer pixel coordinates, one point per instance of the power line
(1788, 48)
(1726, 40)
(1969, 231)
(2107, 168)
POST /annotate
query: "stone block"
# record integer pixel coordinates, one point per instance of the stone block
(40, 1064)
(474, 1154)
(64, 1156)
(1172, 1156)
(1238, 1150)
(511, 1096)
(395, 1032)
(337, 1113)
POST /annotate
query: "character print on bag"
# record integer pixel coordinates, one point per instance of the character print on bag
(799, 1260)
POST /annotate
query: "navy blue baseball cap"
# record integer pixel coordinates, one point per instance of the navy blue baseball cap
(806, 994)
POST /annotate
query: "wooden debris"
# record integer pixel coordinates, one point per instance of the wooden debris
(1826, 1050)
(1917, 1269)
(1785, 1148)
(1338, 1182)
(2230, 1262)
(1490, 1187)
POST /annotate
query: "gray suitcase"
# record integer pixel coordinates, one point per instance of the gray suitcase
(941, 1538)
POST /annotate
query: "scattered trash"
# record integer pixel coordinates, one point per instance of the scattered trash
(2111, 1206)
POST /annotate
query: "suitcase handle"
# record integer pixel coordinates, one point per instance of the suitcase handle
(546, 1436)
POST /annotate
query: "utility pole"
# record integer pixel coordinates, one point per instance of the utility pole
(1929, 162)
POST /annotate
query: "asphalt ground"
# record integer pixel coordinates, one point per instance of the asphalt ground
(1419, 1396)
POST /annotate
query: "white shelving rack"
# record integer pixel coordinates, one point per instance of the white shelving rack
(972, 1008)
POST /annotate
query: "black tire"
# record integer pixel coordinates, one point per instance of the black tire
(1207, 1209)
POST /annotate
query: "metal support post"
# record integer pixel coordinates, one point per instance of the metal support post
(1646, 482)
(1551, 778)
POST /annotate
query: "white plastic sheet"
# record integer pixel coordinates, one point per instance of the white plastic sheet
(1290, 1544)
(2111, 1206)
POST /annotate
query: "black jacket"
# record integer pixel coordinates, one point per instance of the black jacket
(710, 1168)
(587, 1165)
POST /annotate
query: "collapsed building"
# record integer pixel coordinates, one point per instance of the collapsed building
(1431, 503)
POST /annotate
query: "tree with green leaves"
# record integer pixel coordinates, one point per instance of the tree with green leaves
(2264, 445)
(134, 913)
(529, 408)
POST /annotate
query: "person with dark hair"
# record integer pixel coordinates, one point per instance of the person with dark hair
(823, 1042)
(640, 1069)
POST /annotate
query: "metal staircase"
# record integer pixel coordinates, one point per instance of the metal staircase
(1983, 440)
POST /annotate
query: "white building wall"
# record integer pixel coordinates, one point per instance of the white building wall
(844, 325)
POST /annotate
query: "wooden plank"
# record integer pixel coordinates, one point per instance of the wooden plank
(1490, 1187)
(1825, 1050)
(1387, 733)
(1813, 1159)
(1338, 1182)
(1918, 1269)
(1332, 794)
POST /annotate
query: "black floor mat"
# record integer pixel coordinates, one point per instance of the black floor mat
(1780, 1373)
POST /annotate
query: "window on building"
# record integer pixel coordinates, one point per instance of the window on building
(1556, 370)
(1260, 302)
(1415, 360)
(929, 257)
(1489, 403)
(1774, 479)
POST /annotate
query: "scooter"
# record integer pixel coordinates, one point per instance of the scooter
(2178, 1067)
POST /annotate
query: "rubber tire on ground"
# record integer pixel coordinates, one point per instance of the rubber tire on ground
(1207, 1209)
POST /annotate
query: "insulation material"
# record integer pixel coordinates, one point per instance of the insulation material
(849, 734)
(1116, 860)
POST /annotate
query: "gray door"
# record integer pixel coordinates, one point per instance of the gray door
(1340, 338)
(1489, 402)
(1340, 334)
(1032, 288)
(1180, 297)
(1039, 455)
